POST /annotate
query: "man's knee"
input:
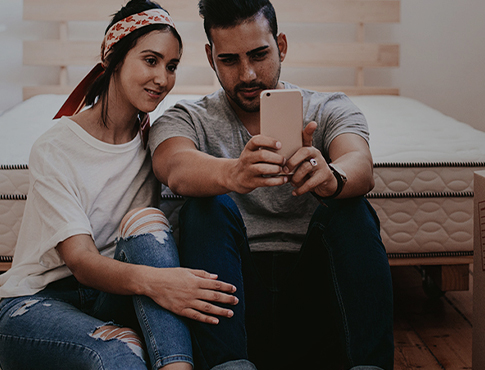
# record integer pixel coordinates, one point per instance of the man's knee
(347, 210)
(210, 210)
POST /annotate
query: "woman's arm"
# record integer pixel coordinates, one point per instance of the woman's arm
(183, 291)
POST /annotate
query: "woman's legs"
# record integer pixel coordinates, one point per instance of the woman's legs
(45, 332)
(146, 239)
(57, 333)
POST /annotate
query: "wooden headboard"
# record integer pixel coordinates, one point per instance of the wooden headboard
(312, 60)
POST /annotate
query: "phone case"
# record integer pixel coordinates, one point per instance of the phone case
(282, 118)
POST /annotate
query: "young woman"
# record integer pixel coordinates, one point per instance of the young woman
(80, 294)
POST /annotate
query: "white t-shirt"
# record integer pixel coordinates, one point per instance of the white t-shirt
(78, 185)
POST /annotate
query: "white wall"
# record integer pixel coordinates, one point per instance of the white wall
(442, 55)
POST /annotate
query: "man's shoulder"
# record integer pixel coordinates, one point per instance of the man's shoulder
(202, 102)
(316, 96)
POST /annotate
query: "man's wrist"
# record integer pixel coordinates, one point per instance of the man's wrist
(341, 178)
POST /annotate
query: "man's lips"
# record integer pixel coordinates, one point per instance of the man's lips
(250, 93)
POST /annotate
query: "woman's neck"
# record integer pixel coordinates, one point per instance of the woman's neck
(121, 126)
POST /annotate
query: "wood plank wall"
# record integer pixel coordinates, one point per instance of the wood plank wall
(357, 55)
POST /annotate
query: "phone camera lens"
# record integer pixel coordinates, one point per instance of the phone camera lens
(268, 94)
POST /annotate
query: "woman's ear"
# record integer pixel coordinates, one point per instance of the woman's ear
(282, 45)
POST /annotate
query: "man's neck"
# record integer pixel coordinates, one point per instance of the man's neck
(250, 120)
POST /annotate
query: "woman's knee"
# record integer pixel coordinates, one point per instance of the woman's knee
(146, 238)
(141, 221)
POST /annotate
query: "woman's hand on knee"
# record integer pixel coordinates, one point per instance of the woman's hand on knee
(194, 294)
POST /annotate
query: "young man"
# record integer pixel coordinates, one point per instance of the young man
(313, 278)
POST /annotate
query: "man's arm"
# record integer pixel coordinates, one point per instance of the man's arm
(187, 171)
(349, 151)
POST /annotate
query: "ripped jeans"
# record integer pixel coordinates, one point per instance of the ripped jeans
(71, 326)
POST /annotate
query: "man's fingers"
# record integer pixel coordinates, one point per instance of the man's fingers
(307, 134)
(260, 141)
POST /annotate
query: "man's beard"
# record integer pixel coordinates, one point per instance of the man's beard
(250, 105)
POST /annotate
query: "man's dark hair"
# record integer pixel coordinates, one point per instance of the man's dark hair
(230, 13)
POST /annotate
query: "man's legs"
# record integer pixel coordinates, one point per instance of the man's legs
(355, 265)
(330, 303)
(212, 235)
(328, 307)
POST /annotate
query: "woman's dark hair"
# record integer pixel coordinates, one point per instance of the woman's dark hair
(230, 13)
(98, 91)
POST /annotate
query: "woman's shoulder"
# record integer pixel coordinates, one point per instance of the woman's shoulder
(50, 142)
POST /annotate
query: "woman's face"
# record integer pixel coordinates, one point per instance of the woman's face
(147, 73)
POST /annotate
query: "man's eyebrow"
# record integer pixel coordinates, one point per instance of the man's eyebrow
(257, 50)
(250, 52)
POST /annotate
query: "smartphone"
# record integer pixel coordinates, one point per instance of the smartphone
(281, 116)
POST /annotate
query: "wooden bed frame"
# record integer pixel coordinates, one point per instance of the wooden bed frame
(307, 57)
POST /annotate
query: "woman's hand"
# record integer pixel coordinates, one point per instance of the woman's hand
(183, 291)
(190, 293)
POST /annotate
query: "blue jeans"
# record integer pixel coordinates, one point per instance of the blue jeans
(54, 328)
(327, 307)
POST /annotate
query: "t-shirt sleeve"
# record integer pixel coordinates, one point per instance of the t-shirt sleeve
(54, 208)
(339, 115)
(174, 122)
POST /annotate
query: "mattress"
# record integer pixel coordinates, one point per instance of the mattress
(423, 168)
(424, 164)
(20, 127)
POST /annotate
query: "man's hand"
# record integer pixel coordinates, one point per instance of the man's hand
(348, 150)
(311, 170)
(257, 166)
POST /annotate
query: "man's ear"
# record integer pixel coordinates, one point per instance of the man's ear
(208, 53)
(282, 45)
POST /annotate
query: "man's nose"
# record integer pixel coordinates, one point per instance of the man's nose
(247, 72)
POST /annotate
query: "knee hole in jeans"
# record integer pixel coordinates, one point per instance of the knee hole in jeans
(123, 334)
(142, 221)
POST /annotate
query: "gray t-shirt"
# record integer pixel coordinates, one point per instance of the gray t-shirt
(275, 219)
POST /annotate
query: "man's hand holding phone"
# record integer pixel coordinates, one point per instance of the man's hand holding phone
(311, 172)
(282, 119)
(257, 165)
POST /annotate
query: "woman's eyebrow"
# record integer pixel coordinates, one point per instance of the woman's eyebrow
(159, 55)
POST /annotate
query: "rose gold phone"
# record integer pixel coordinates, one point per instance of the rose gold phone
(282, 118)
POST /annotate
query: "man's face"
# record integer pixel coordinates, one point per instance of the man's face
(247, 60)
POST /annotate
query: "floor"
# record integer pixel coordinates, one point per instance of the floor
(430, 333)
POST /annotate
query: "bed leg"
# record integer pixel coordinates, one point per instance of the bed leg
(446, 277)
